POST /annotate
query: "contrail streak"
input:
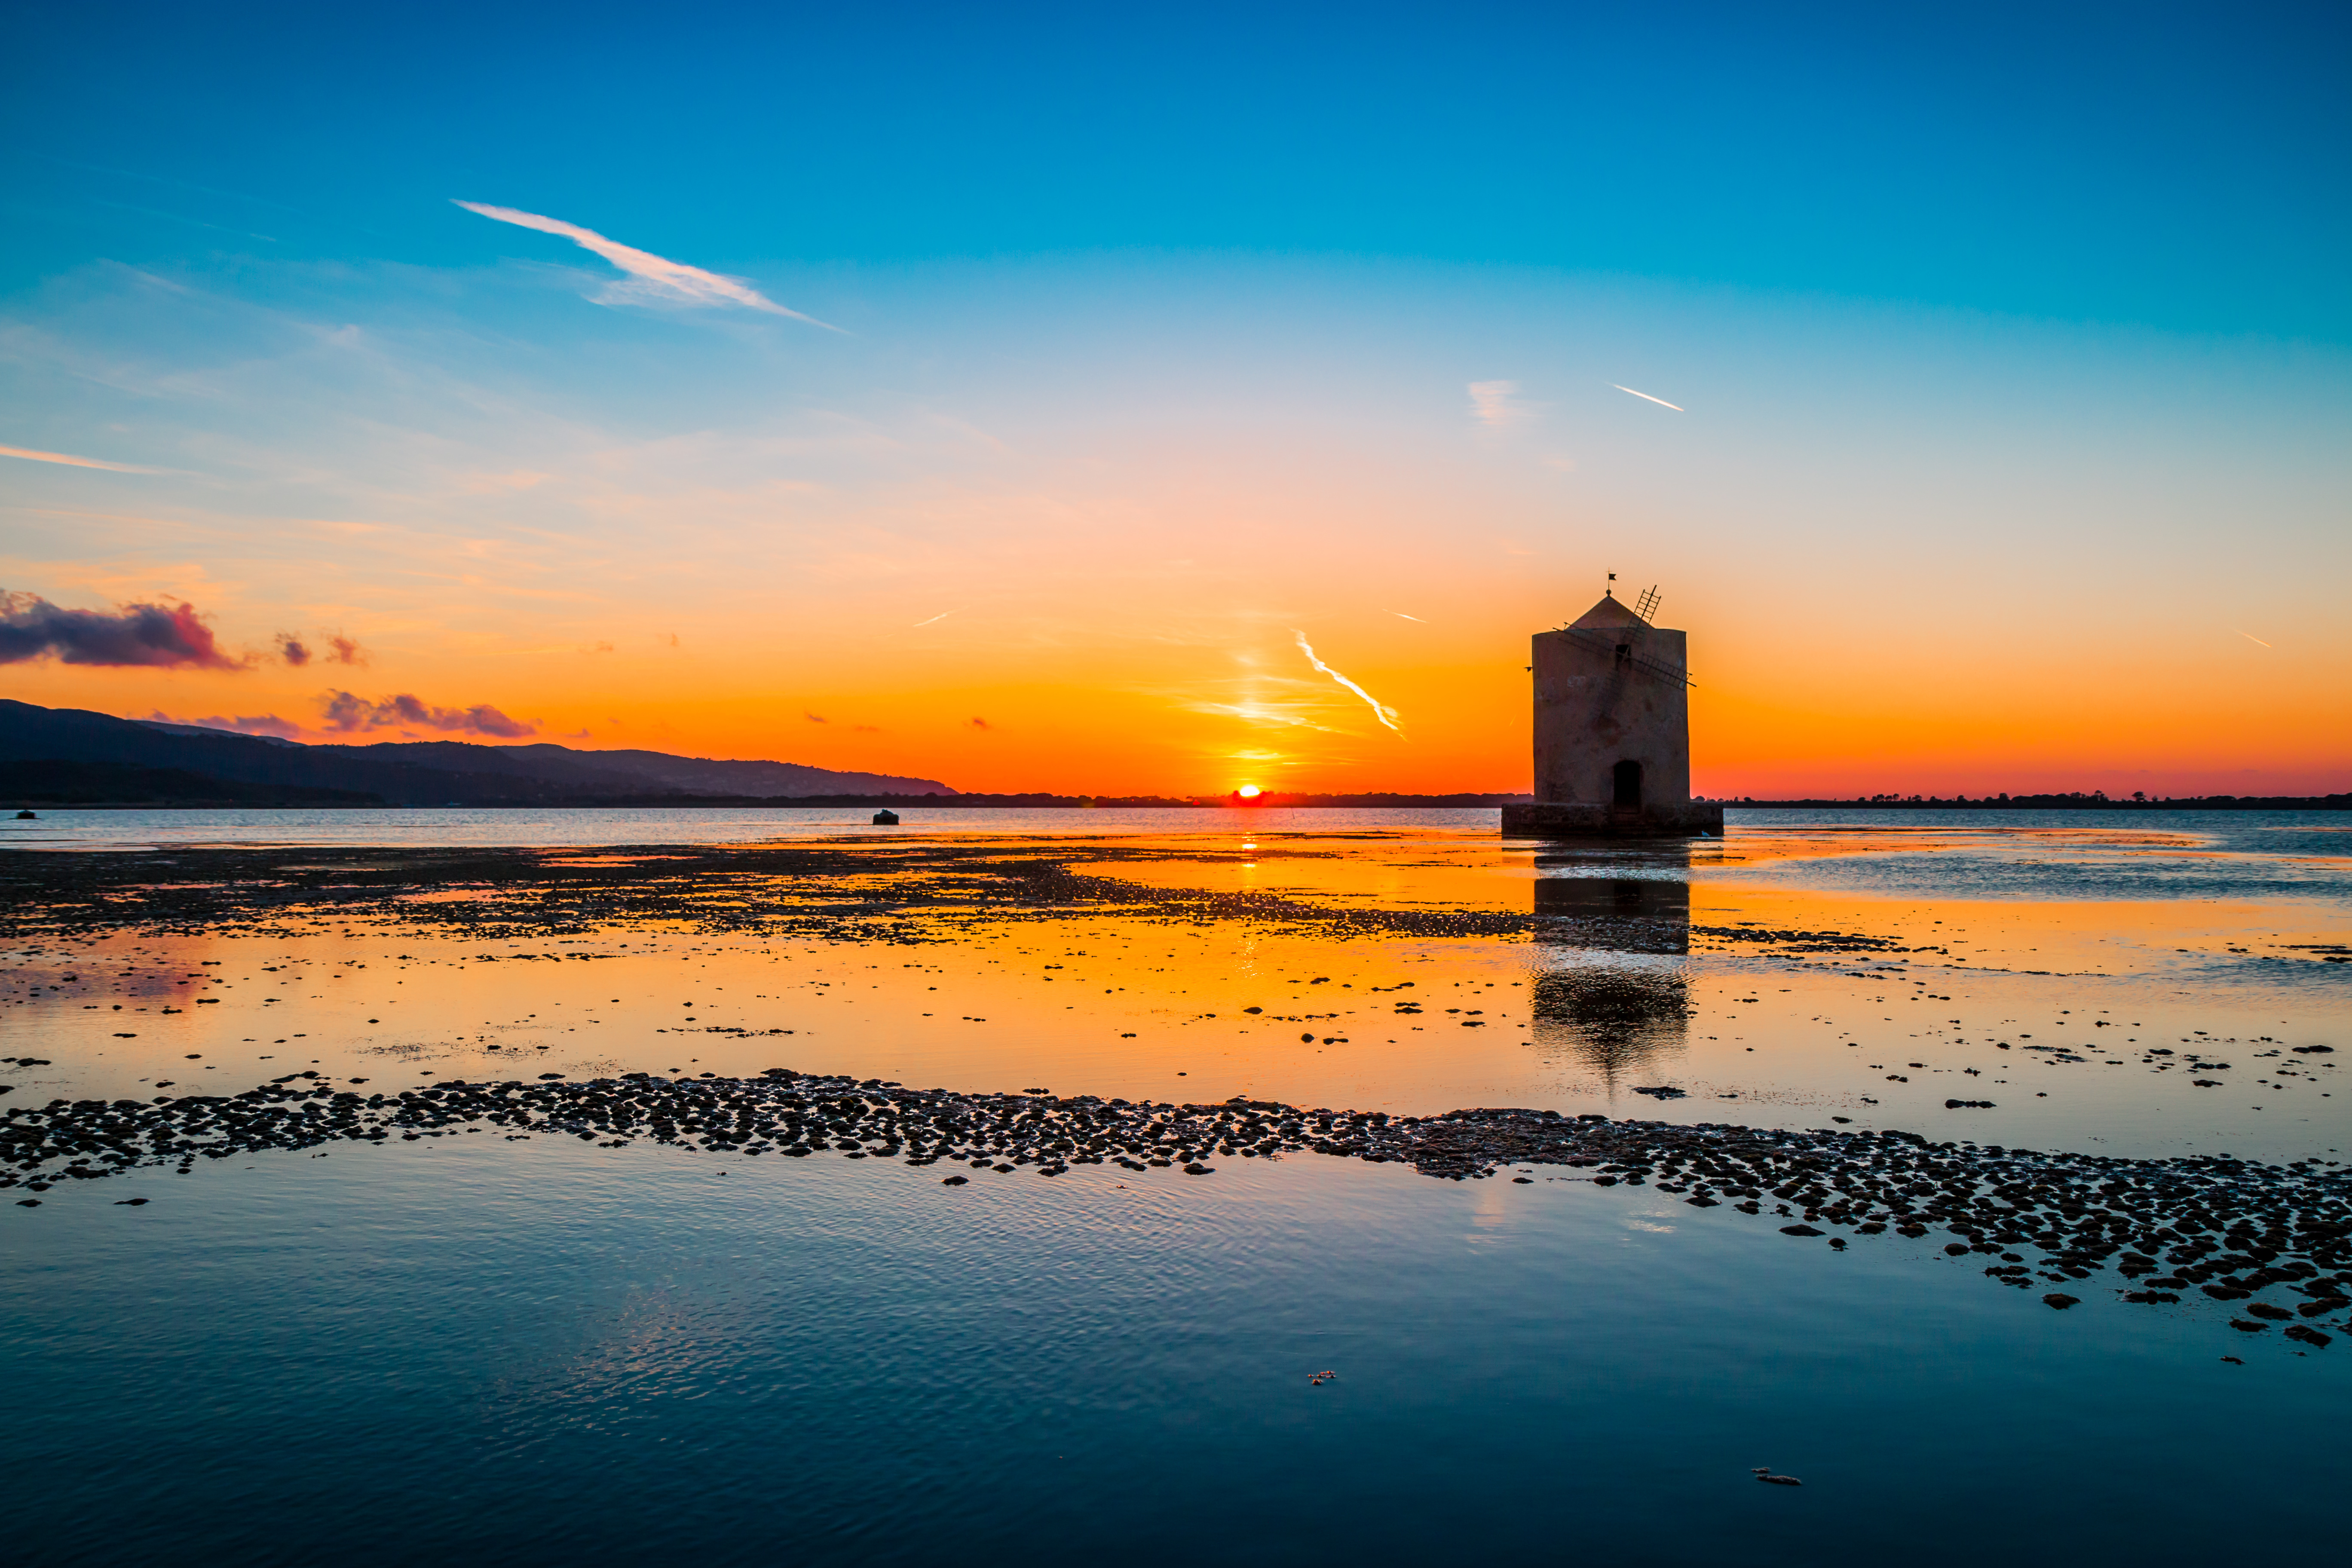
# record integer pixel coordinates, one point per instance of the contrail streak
(656, 276)
(71, 461)
(1379, 709)
(1401, 615)
(942, 616)
(1659, 401)
(2251, 637)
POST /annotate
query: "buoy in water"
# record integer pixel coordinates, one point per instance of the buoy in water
(885, 819)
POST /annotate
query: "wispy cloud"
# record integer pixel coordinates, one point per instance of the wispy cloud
(1402, 616)
(942, 616)
(1492, 404)
(1380, 710)
(348, 711)
(2252, 638)
(1659, 401)
(154, 636)
(71, 461)
(654, 279)
(1259, 710)
(249, 724)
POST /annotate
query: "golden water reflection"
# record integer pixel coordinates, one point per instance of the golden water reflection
(1643, 968)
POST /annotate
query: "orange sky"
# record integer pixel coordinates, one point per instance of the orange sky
(1914, 552)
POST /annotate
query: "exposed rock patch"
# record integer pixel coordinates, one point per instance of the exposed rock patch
(2236, 1228)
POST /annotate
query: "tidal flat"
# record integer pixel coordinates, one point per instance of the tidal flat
(1284, 1186)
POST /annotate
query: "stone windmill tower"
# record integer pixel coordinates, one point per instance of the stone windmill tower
(1613, 731)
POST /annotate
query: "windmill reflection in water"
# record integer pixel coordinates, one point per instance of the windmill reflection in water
(1610, 992)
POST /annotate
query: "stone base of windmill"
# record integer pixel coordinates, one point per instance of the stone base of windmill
(1580, 819)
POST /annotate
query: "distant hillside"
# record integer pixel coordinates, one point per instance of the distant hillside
(50, 783)
(425, 772)
(636, 772)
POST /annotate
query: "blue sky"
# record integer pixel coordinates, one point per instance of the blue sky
(2178, 166)
(2010, 347)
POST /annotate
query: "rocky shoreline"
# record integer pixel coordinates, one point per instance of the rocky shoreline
(2237, 1230)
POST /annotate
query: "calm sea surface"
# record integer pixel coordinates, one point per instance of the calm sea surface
(556, 1352)
(668, 825)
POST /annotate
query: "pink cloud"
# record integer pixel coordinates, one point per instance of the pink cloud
(248, 724)
(154, 636)
(349, 712)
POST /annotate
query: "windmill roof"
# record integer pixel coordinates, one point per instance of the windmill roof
(1608, 612)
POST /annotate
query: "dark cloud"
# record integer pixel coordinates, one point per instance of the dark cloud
(816, 717)
(340, 649)
(349, 712)
(167, 637)
(981, 724)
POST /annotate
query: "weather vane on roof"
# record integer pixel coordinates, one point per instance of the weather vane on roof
(1611, 591)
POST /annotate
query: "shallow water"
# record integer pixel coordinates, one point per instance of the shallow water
(596, 826)
(558, 1353)
(549, 1350)
(1765, 998)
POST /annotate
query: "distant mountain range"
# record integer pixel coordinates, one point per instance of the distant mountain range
(65, 755)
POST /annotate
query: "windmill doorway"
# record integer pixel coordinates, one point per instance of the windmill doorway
(1627, 777)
